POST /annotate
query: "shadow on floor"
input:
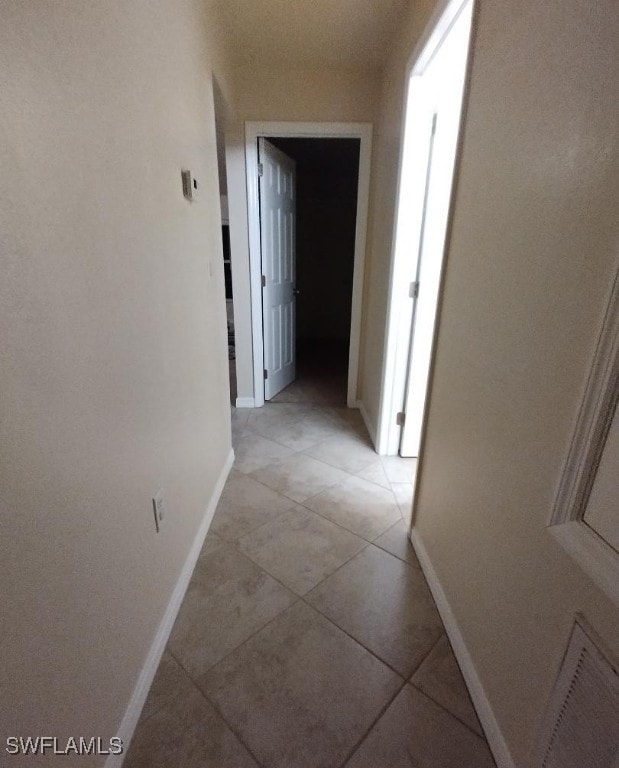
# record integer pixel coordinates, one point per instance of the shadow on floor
(322, 374)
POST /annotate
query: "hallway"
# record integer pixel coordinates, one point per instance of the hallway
(308, 637)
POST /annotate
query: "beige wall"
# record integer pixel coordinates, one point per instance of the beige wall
(306, 94)
(113, 374)
(529, 265)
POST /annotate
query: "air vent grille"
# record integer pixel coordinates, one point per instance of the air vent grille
(582, 728)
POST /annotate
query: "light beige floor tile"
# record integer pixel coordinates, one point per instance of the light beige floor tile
(302, 434)
(397, 469)
(375, 473)
(239, 417)
(300, 692)
(383, 603)
(319, 388)
(403, 493)
(170, 681)
(350, 419)
(238, 435)
(297, 392)
(271, 415)
(254, 451)
(440, 678)
(306, 392)
(299, 476)
(187, 733)
(397, 542)
(348, 451)
(300, 548)
(296, 426)
(228, 599)
(414, 731)
(358, 505)
(246, 504)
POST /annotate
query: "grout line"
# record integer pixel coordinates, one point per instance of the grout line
(333, 522)
(373, 724)
(328, 576)
(304, 452)
(342, 428)
(324, 461)
(296, 600)
(355, 640)
(275, 578)
(415, 564)
(235, 543)
(448, 711)
(283, 494)
(313, 495)
(255, 432)
(214, 705)
(255, 529)
(339, 525)
(301, 598)
(142, 720)
(401, 559)
(425, 658)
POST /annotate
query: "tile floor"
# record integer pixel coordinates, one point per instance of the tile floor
(308, 637)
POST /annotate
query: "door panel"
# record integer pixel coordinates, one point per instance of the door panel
(277, 239)
(443, 84)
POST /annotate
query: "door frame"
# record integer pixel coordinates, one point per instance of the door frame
(255, 130)
(395, 361)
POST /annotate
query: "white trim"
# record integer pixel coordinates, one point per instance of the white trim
(145, 680)
(395, 362)
(596, 557)
(367, 421)
(441, 21)
(245, 402)
(599, 561)
(491, 727)
(361, 131)
(596, 413)
(363, 201)
(385, 445)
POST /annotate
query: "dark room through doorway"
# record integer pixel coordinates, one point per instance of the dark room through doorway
(327, 172)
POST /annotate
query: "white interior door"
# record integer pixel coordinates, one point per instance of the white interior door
(443, 89)
(277, 240)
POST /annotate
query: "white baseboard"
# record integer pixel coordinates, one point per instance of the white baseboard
(245, 402)
(367, 421)
(145, 680)
(493, 732)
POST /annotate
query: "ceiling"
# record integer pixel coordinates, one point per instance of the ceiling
(351, 33)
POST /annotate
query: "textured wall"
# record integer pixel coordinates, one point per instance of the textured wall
(529, 267)
(113, 357)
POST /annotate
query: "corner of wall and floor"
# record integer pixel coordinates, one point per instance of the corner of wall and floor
(144, 682)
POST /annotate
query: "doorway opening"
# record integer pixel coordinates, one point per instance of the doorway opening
(431, 131)
(324, 174)
(308, 187)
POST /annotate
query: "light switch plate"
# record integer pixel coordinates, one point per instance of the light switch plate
(190, 185)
